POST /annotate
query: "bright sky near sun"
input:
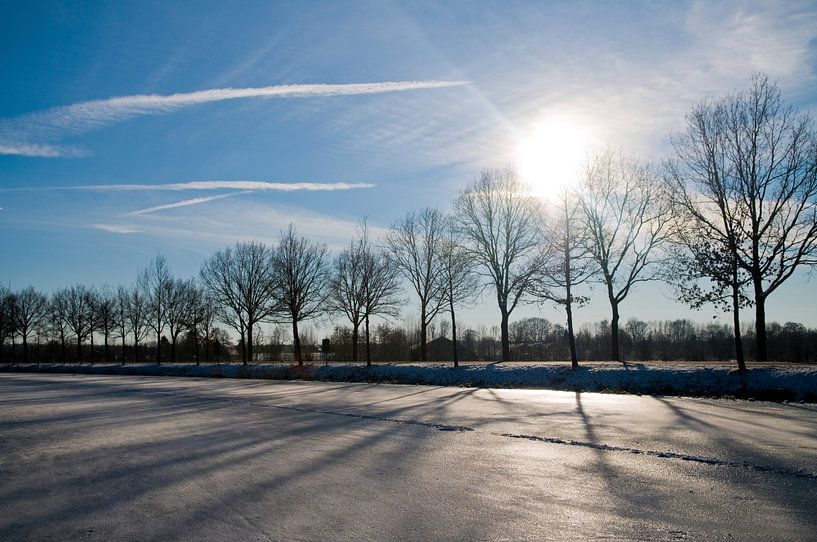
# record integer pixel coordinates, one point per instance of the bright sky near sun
(129, 129)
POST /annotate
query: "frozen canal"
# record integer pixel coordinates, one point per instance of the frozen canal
(126, 458)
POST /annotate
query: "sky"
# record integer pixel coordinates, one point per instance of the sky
(131, 129)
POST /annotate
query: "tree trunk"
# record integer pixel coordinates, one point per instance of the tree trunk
(107, 351)
(135, 350)
(92, 347)
(79, 350)
(355, 339)
(296, 343)
(454, 335)
(736, 320)
(25, 349)
(158, 348)
(172, 347)
(505, 338)
(760, 322)
(615, 348)
(196, 343)
(423, 335)
(571, 338)
(63, 349)
(249, 343)
(368, 344)
(123, 349)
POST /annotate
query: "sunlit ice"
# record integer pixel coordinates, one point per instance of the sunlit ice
(550, 154)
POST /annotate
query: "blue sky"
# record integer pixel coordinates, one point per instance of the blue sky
(398, 105)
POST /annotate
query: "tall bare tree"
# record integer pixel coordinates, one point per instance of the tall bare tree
(704, 267)
(347, 292)
(767, 153)
(179, 309)
(381, 287)
(241, 280)
(460, 282)
(6, 316)
(301, 280)
(120, 308)
(106, 315)
(58, 318)
(79, 314)
(627, 221)
(499, 219)
(569, 264)
(29, 310)
(415, 246)
(155, 282)
(138, 315)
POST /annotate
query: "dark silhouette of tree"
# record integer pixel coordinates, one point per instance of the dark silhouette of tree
(106, 315)
(627, 222)
(57, 318)
(415, 245)
(347, 291)
(241, 281)
(121, 300)
(703, 267)
(460, 283)
(767, 178)
(381, 286)
(179, 308)
(79, 314)
(6, 316)
(301, 282)
(499, 220)
(570, 262)
(201, 319)
(29, 310)
(138, 315)
(155, 283)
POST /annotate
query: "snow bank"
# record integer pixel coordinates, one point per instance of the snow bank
(795, 383)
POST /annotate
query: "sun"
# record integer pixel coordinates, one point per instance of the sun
(551, 156)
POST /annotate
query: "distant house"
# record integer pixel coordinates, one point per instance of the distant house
(441, 349)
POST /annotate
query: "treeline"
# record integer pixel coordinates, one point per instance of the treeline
(537, 339)
(725, 220)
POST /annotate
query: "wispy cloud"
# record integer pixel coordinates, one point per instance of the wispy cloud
(185, 203)
(206, 185)
(31, 134)
(116, 228)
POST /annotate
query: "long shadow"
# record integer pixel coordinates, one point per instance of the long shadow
(112, 476)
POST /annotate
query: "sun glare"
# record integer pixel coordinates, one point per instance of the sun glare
(550, 157)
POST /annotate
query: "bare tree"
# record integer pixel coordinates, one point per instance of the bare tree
(460, 282)
(704, 267)
(137, 316)
(6, 316)
(29, 311)
(200, 319)
(627, 221)
(570, 262)
(179, 309)
(499, 220)
(347, 289)
(240, 280)
(79, 314)
(380, 288)
(106, 315)
(121, 301)
(58, 318)
(155, 282)
(301, 279)
(767, 179)
(415, 246)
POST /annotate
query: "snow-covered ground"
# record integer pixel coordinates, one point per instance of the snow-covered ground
(793, 383)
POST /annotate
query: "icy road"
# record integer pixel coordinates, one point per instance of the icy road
(145, 458)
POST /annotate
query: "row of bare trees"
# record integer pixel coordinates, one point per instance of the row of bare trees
(726, 220)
